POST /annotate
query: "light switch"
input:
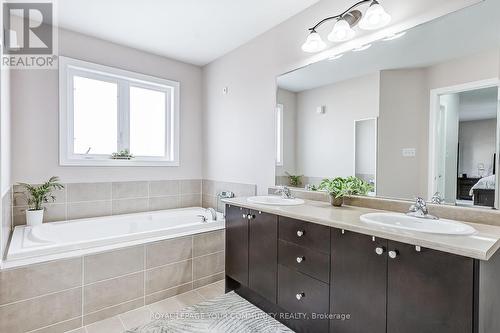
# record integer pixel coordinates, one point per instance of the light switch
(409, 152)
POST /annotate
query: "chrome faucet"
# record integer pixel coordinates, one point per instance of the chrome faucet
(284, 192)
(213, 213)
(419, 209)
(437, 199)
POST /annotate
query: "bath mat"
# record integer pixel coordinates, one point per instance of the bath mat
(226, 313)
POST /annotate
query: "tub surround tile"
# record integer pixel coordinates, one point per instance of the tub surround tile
(191, 186)
(80, 210)
(208, 201)
(190, 200)
(161, 295)
(209, 242)
(161, 188)
(161, 203)
(112, 311)
(210, 189)
(112, 264)
(125, 190)
(168, 251)
(20, 195)
(72, 325)
(100, 295)
(208, 280)
(111, 325)
(55, 212)
(35, 280)
(41, 311)
(78, 192)
(208, 265)
(127, 206)
(166, 277)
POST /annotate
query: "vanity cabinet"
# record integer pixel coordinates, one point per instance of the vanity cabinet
(237, 244)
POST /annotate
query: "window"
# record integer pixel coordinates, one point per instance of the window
(104, 110)
(279, 135)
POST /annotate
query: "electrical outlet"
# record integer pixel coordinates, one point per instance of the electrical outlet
(409, 152)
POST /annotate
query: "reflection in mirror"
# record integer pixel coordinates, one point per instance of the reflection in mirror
(414, 116)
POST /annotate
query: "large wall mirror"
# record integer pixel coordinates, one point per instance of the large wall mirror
(414, 116)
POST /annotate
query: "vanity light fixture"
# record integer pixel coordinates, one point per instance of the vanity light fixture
(375, 17)
(362, 48)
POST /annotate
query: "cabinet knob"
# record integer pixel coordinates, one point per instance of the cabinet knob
(300, 296)
(393, 254)
(379, 250)
(300, 233)
(244, 216)
(300, 259)
(250, 217)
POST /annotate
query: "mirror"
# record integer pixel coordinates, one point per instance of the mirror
(414, 116)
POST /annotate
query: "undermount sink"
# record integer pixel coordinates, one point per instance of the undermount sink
(274, 200)
(405, 222)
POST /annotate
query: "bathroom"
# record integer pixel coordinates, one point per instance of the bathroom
(275, 166)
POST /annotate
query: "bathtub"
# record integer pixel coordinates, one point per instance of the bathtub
(64, 239)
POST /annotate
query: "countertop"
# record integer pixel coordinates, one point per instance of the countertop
(481, 245)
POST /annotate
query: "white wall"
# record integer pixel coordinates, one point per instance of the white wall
(35, 118)
(477, 145)
(289, 101)
(325, 142)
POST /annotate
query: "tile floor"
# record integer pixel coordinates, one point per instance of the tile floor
(143, 315)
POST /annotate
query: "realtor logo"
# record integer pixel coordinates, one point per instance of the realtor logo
(29, 35)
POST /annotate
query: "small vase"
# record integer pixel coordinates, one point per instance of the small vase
(336, 202)
(34, 217)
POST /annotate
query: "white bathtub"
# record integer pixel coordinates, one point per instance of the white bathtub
(78, 237)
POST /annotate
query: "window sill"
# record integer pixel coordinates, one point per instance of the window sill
(118, 163)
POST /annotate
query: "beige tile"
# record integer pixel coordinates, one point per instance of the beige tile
(161, 203)
(161, 295)
(208, 265)
(55, 212)
(168, 251)
(71, 326)
(170, 305)
(112, 292)
(88, 192)
(208, 280)
(161, 188)
(191, 200)
(191, 186)
(210, 291)
(111, 325)
(124, 190)
(135, 318)
(114, 263)
(112, 311)
(39, 279)
(20, 195)
(240, 190)
(127, 206)
(19, 215)
(166, 277)
(188, 299)
(80, 210)
(41, 311)
(208, 242)
(208, 187)
(208, 201)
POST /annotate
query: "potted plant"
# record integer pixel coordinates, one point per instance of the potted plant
(339, 187)
(37, 195)
(294, 180)
(122, 155)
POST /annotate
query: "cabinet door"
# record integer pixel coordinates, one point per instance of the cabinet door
(429, 291)
(263, 254)
(358, 283)
(237, 244)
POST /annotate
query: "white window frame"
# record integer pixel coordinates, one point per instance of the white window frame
(279, 134)
(69, 67)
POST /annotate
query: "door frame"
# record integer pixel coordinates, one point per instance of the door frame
(376, 148)
(435, 107)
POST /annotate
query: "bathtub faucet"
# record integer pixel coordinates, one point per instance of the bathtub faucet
(213, 212)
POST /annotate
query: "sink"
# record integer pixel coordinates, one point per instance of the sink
(405, 222)
(274, 200)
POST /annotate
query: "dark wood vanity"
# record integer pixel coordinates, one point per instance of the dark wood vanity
(315, 278)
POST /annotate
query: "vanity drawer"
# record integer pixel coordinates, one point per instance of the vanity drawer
(315, 294)
(302, 259)
(310, 235)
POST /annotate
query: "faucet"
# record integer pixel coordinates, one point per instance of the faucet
(419, 209)
(437, 199)
(285, 192)
(212, 212)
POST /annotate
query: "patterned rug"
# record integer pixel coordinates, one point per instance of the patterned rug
(226, 313)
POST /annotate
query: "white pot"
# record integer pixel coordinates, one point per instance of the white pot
(34, 217)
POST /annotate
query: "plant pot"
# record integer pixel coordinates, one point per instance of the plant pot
(336, 202)
(34, 217)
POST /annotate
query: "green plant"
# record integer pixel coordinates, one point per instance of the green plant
(294, 180)
(38, 195)
(340, 187)
(122, 155)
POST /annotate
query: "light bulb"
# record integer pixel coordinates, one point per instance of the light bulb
(375, 17)
(313, 43)
(341, 32)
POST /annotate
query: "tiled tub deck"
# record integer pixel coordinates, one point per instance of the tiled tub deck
(66, 294)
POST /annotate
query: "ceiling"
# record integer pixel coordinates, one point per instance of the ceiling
(437, 41)
(478, 104)
(193, 31)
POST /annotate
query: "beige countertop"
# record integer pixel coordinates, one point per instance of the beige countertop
(481, 245)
